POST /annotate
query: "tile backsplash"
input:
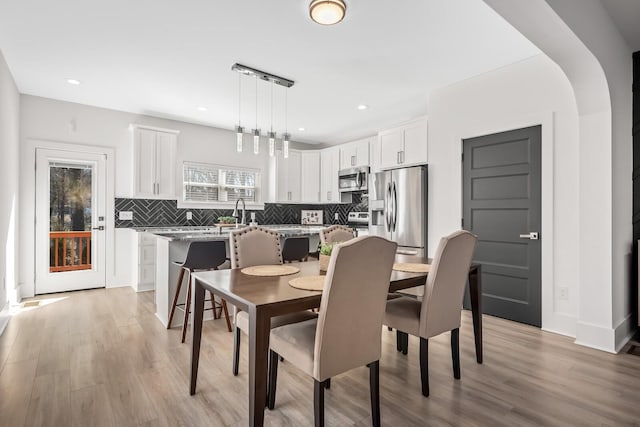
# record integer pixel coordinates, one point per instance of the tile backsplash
(165, 213)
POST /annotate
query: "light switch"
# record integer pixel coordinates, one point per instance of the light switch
(189, 216)
(125, 215)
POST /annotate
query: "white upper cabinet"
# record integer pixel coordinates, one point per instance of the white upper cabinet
(329, 167)
(354, 154)
(154, 154)
(310, 161)
(288, 177)
(404, 145)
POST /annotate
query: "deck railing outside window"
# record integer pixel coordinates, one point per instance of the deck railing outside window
(69, 250)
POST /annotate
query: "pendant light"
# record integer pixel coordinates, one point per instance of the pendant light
(327, 12)
(256, 131)
(286, 136)
(272, 134)
(239, 129)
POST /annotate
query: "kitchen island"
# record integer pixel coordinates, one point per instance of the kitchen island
(172, 245)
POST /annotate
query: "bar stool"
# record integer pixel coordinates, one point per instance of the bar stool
(201, 256)
(295, 249)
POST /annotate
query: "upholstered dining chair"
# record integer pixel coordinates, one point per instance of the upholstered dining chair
(256, 246)
(346, 334)
(439, 310)
(336, 234)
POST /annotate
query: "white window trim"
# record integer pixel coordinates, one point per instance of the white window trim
(256, 205)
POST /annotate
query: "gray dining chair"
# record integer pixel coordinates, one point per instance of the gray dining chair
(346, 334)
(440, 308)
(336, 234)
(256, 246)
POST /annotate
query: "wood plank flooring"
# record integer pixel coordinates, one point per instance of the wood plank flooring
(101, 357)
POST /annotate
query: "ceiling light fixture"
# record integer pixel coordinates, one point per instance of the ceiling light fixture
(202, 108)
(300, 129)
(256, 131)
(239, 129)
(285, 136)
(272, 134)
(73, 82)
(362, 107)
(327, 12)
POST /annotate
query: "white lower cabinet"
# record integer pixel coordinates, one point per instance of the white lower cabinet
(146, 262)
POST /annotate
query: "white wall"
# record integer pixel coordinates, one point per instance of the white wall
(531, 92)
(45, 119)
(9, 142)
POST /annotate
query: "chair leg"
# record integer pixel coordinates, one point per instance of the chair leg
(327, 383)
(424, 365)
(236, 351)
(374, 390)
(217, 312)
(175, 297)
(404, 342)
(398, 340)
(187, 307)
(318, 403)
(273, 379)
(455, 352)
(226, 315)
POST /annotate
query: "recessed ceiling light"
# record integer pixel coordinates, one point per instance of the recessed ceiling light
(362, 107)
(73, 82)
(202, 108)
(300, 129)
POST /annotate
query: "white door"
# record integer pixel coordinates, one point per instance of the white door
(70, 220)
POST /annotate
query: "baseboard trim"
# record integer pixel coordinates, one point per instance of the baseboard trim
(561, 324)
(624, 332)
(596, 337)
(4, 317)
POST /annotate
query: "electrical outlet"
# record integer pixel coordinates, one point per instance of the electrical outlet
(336, 216)
(189, 216)
(125, 215)
(563, 293)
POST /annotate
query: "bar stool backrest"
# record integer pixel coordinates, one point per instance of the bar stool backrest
(295, 248)
(206, 255)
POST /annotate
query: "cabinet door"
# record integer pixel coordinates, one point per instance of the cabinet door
(415, 143)
(165, 164)
(282, 181)
(310, 176)
(294, 175)
(348, 156)
(329, 167)
(362, 153)
(391, 146)
(144, 162)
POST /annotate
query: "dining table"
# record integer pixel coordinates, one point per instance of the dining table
(264, 297)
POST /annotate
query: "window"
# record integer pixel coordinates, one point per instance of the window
(206, 183)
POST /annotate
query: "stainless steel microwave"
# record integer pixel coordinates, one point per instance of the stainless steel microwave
(352, 180)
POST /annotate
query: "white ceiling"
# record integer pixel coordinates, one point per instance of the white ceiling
(166, 58)
(626, 16)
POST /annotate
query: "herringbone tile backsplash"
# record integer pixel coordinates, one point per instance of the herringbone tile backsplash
(165, 213)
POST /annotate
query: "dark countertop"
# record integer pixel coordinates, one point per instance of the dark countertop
(190, 234)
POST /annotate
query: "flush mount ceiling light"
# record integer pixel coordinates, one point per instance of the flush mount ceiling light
(327, 12)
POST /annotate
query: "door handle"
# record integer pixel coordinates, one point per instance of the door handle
(533, 235)
(99, 228)
(353, 160)
(388, 208)
(395, 206)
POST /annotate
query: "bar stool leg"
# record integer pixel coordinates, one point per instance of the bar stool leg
(187, 307)
(175, 297)
(226, 315)
(217, 312)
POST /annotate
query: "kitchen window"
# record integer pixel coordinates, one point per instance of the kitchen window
(213, 184)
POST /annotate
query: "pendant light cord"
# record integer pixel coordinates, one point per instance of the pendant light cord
(256, 102)
(239, 99)
(271, 107)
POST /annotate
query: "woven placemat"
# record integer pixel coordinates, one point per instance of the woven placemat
(412, 267)
(270, 270)
(308, 283)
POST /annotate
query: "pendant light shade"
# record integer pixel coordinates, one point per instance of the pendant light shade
(272, 144)
(239, 138)
(256, 141)
(285, 145)
(327, 12)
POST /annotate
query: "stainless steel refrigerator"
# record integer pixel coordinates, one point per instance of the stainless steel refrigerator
(398, 208)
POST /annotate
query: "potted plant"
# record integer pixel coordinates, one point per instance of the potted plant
(325, 255)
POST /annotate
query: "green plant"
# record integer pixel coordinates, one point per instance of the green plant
(326, 248)
(226, 220)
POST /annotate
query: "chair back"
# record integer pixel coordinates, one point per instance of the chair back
(348, 334)
(254, 246)
(336, 234)
(295, 249)
(444, 289)
(205, 255)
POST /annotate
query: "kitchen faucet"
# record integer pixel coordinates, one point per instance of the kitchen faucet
(243, 221)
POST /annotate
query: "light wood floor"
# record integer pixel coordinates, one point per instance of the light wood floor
(101, 357)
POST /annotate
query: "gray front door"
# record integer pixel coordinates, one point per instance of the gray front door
(501, 205)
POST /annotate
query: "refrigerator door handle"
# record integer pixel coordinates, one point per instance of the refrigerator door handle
(387, 208)
(395, 206)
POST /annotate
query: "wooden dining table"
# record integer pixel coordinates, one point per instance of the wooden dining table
(265, 297)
